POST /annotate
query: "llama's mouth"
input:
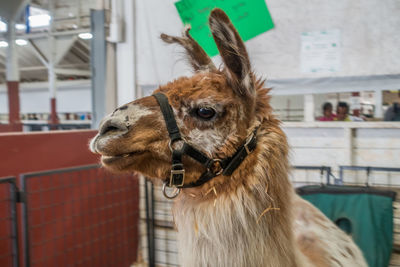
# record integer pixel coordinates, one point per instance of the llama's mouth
(111, 159)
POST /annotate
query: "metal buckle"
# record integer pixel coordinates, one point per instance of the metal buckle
(248, 140)
(176, 172)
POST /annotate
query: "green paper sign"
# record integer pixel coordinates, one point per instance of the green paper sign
(250, 17)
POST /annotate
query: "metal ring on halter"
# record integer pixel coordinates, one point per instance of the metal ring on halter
(213, 161)
(170, 143)
(174, 195)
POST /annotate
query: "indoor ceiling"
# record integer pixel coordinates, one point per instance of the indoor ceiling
(72, 53)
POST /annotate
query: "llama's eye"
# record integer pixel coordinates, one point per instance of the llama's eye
(205, 113)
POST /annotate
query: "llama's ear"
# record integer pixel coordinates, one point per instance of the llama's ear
(233, 52)
(198, 58)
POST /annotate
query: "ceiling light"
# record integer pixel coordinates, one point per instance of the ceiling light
(3, 44)
(3, 26)
(21, 42)
(39, 20)
(20, 26)
(85, 35)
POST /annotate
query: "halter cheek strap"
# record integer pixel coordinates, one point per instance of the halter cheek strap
(214, 167)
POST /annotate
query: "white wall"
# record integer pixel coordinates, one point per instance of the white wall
(3, 103)
(368, 29)
(344, 143)
(72, 96)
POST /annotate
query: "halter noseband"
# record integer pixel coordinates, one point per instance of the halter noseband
(214, 167)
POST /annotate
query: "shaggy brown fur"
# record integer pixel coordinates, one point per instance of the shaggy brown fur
(251, 218)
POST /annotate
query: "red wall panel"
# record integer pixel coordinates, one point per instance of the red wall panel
(30, 152)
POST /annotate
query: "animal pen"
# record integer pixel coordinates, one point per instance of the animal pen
(81, 216)
(84, 216)
(158, 240)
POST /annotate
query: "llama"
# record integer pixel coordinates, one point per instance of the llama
(234, 204)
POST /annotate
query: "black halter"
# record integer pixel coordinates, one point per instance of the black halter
(214, 167)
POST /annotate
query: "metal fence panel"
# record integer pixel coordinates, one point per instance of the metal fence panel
(80, 217)
(159, 238)
(158, 245)
(8, 223)
(301, 175)
(158, 235)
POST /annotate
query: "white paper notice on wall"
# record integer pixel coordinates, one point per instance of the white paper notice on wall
(320, 51)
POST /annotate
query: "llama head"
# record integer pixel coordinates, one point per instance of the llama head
(215, 110)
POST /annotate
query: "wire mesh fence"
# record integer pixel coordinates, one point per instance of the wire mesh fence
(8, 223)
(159, 245)
(159, 239)
(80, 217)
(87, 217)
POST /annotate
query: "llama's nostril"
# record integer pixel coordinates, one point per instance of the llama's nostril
(113, 126)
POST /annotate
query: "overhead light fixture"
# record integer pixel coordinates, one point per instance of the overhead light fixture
(3, 26)
(20, 26)
(3, 44)
(21, 42)
(38, 17)
(85, 35)
(41, 20)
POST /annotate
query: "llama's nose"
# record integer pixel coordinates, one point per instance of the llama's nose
(113, 126)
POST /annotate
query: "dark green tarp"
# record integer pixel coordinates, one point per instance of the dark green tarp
(365, 213)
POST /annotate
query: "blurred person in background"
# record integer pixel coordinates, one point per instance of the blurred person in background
(393, 113)
(327, 112)
(342, 113)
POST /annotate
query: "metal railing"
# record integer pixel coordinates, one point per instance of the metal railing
(9, 256)
(322, 170)
(367, 169)
(161, 249)
(33, 127)
(79, 216)
(159, 246)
